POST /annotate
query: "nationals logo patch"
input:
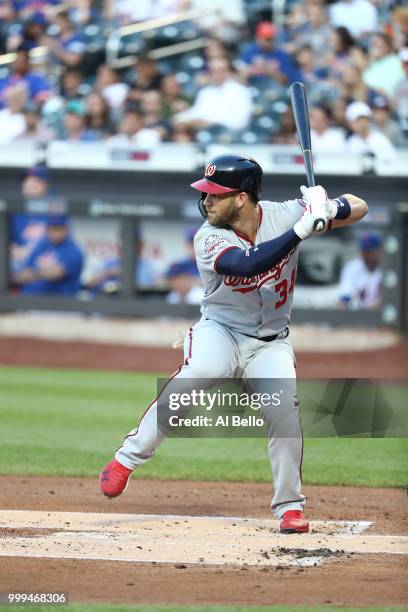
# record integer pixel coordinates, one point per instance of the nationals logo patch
(214, 242)
(210, 169)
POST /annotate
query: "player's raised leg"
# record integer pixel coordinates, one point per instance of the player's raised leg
(274, 361)
(209, 352)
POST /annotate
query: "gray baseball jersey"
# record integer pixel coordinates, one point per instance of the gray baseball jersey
(233, 306)
(258, 306)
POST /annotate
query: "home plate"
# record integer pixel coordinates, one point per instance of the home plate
(183, 539)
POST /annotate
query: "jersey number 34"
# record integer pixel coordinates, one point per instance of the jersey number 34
(282, 290)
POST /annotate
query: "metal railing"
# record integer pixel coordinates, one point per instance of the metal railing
(114, 40)
(162, 52)
(36, 54)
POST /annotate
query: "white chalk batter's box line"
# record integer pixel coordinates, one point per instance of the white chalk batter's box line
(86, 526)
(305, 561)
(351, 527)
(105, 520)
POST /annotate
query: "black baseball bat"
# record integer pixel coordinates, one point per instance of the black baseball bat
(300, 111)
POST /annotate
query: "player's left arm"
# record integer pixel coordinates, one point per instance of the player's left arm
(345, 210)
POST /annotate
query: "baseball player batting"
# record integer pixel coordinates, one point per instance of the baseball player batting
(247, 252)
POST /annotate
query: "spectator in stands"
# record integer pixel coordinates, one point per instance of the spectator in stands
(109, 84)
(364, 139)
(189, 263)
(182, 134)
(226, 18)
(360, 279)
(67, 47)
(287, 129)
(130, 11)
(263, 61)
(145, 274)
(25, 8)
(384, 123)
(174, 101)
(338, 110)
(385, 67)
(36, 183)
(120, 12)
(7, 11)
(342, 44)
(152, 109)
(183, 285)
(82, 12)
(400, 98)
(36, 129)
(38, 88)
(310, 75)
(12, 120)
(358, 16)
(108, 277)
(97, 116)
(314, 33)
(26, 230)
(54, 265)
(225, 102)
(183, 276)
(325, 138)
(7, 19)
(344, 52)
(216, 48)
(146, 76)
(72, 84)
(133, 132)
(331, 67)
(74, 124)
(30, 33)
(399, 26)
(352, 86)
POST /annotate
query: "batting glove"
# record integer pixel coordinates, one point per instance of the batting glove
(315, 198)
(313, 194)
(331, 209)
(305, 226)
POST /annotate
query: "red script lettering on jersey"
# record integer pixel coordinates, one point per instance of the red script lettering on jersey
(244, 285)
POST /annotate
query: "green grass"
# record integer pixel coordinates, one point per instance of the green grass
(68, 422)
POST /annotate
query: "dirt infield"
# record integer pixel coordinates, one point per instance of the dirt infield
(371, 579)
(348, 576)
(381, 364)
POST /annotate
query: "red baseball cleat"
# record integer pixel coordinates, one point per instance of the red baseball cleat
(293, 521)
(114, 479)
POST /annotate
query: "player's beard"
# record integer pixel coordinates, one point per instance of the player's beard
(226, 217)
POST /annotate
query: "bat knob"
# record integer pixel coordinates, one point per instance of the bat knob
(319, 225)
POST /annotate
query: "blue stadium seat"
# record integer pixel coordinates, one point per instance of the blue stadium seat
(193, 63)
(132, 45)
(187, 82)
(248, 137)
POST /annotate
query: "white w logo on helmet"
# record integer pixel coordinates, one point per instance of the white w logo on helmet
(210, 169)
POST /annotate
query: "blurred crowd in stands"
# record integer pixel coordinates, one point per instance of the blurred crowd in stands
(66, 74)
(98, 71)
(47, 258)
